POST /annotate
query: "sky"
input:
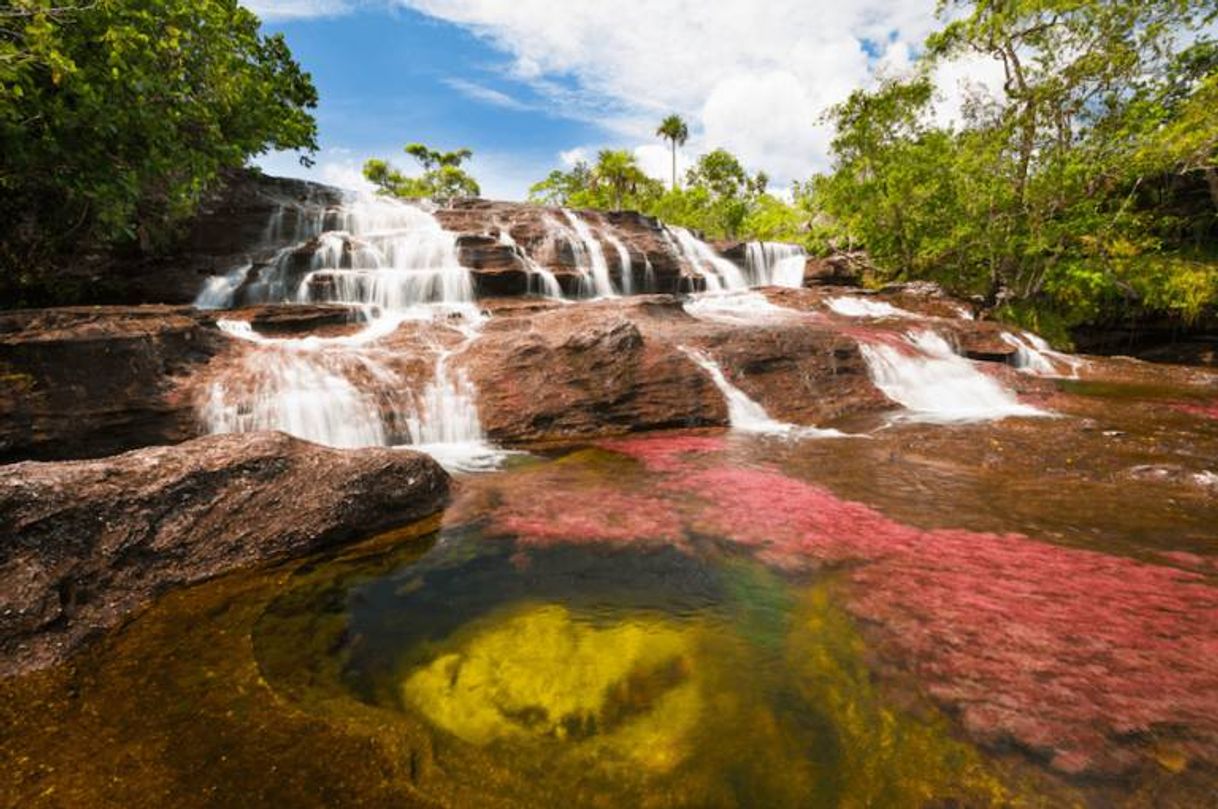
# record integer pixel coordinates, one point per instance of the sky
(534, 85)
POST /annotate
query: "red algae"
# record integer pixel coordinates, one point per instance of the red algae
(664, 453)
(1208, 410)
(603, 515)
(1069, 653)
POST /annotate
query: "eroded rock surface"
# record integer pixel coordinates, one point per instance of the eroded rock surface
(85, 543)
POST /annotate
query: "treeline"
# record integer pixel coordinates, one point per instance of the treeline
(117, 116)
(1085, 190)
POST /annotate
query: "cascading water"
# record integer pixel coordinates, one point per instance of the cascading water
(864, 307)
(746, 415)
(393, 263)
(736, 307)
(935, 384)
(589, 256)
(718, 273)
(624, 262)
(1034, 355)
(541, 280)
(775, 264)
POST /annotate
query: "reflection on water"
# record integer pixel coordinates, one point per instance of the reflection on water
(977, 615)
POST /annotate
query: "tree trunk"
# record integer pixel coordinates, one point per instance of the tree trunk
(674, 165)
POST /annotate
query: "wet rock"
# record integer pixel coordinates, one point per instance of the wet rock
(85, 543)
(616, 366)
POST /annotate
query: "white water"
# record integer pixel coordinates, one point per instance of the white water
(347, 391)
(736, 307)
(589, 256)
(719, 273)
(546, 283)
(775, 264)
(1034, 355)
(746, 415)
(864, 307)
(624, 262)
(384, 253)
(935, 384)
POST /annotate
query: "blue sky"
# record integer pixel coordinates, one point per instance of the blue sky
(532, 85)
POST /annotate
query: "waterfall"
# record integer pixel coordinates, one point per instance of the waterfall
(384, 253)
(589, 256)
(394, 263)
(719, 273)
(743, 413)
(445, 423)
(303, 388)
(624, 262)
(1034, 355)
(775, 264)
(865, 307)
(935, 384)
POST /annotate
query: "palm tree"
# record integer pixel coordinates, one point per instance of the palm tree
(618, 169)
(674, 130)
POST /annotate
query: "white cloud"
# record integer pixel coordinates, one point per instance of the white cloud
(749, 76)
(486, 95)
(298, 9)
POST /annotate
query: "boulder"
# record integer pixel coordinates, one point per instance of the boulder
(615, 366)
(91, 381)
(86, 543)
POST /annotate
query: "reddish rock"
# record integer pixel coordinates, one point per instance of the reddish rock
(85, 543)
(616, 366)
(90, 381)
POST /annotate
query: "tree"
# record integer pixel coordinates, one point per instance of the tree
(674, 130)
(618, 170)
(442, 178)
(117, 115)
(562, 187)
(1055, 196)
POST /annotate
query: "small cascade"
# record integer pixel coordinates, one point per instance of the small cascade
(718, 273)
(589, 257)
(624, 262)
(935, 384)
(445, 423)
(736, 307)
(775, 264)
(865, 307)
(541, 280)
(746, 415)
(306, 389)
(1034, 355)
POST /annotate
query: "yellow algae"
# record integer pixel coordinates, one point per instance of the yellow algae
(542, 673)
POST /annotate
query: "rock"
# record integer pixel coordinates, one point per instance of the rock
(86, 543)
(839, 269)
(239, 222)
(91, 381)
(616, 366)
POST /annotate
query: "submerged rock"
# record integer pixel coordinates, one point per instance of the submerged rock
(86, 543)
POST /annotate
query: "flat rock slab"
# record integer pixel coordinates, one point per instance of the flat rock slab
(83, 544)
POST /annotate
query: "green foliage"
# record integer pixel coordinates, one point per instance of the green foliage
(1074, 189)
(442, 178)
(720, 198)
(116, 116)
